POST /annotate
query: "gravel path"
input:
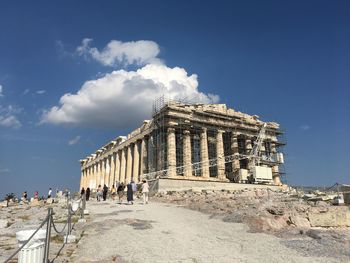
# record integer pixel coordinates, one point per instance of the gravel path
(167, 233)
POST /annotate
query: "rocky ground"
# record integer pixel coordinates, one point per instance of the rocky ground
(306, 231)
(310, 227)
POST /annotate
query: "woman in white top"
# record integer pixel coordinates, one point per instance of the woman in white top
(145, 191)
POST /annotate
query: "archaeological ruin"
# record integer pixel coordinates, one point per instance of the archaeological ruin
(193, 142)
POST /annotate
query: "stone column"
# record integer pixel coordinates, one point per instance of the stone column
(144, 156)
(98, 173)
(107, 170)
(85, 177)
(129, 164)
(96, 178)
(220, 155)
(112, 170)
(103, 172)
(171, 152)
(275, 168)
(122, 165)
(276, 175)
(187, 153)
(117, 166)
(135, 170)
(204, 153)
(89, 178)
(248, 145)
(81, 178)
(234, 149)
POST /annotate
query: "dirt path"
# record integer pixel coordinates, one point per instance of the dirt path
(166, 233)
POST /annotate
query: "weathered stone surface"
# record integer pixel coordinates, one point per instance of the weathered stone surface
(334, 218)
(3, 223)
(299, 221)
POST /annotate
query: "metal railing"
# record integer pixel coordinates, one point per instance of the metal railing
(49, 221)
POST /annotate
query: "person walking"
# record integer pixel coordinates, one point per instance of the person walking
(120, 192)
(87, 193)
(129, 193)
(82, 192)
(99, 193)
(113, 192)
(49, 193)
(105, 191)
(134, 188)
(145, 191)
(36, 195)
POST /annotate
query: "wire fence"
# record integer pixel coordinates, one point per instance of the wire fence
(79, 207)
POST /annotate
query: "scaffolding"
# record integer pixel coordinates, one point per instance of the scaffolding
(157, 145)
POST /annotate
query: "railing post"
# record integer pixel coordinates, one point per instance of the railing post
(48, 235)
(69, 221)
(83, 205)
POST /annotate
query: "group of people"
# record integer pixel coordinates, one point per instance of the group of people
(36, 196)
(86, 193)
(119, 190)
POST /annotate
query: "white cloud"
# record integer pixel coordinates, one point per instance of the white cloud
(74, 140)
(122, 99)
(25, 92)
(40, 92)
(126, 53)
(4, 170)
(1, 91)
(305, 127)
(8, 117)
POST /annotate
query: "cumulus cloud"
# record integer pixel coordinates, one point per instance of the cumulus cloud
(125, 53)
(1, 91)
(4, 170)
(25, 92)
(40, 92)
(305, 127)
(122, 99)
(74, 140)
(8, 117)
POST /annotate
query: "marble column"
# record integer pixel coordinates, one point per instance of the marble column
(122, 166)
(81, 178)
(144, 156)
(171, 152)
(248, 145)
(117, 166)
(85, 178)
(89, 178)
(112, 170)
(275, 168)
(136, 163)
(98, 173)
(234, 149)
(220, 155)
(187, 153)
(129, 164)
(103, 171)
(107, 170)
(93, 176)
(204, 153)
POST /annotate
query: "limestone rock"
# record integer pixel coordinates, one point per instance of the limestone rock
(334, 218)
(3, 223)
(299, 221)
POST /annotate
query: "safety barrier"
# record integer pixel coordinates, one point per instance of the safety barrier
(79, 206)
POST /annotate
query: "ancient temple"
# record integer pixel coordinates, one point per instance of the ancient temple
(208, 142)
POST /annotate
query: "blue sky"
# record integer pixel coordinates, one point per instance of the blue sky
(286, 61)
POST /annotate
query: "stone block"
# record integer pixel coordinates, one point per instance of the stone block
(334, 218)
